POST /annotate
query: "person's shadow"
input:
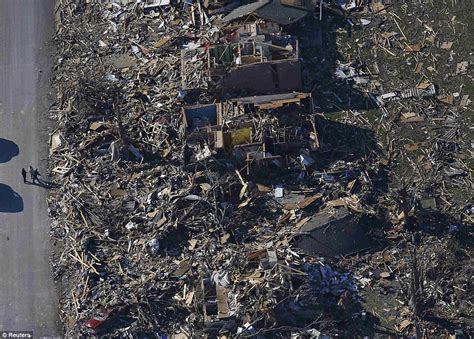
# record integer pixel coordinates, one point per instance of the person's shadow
(41, 182)
(8, 150)
(10, 201)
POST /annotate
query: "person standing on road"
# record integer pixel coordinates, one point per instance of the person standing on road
(36, 176)
(23, 174)
(32, 174)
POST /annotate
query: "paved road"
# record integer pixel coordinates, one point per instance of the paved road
(27, 294)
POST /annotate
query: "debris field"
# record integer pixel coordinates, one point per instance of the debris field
(263, 169)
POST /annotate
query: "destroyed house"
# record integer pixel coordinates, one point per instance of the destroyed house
(254, 129)
(204, 116)
(261, 64)
(255, 66)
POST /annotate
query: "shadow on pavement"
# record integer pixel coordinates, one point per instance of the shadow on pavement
(44, 184)
(10, 201)
(8, 150)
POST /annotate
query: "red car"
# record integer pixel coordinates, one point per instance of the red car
(101, 321)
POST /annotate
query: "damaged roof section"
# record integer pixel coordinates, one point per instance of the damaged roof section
(284, 15)
(245, 10)
(272, 10)
(274, 101)
(333, 234)
(308, 5)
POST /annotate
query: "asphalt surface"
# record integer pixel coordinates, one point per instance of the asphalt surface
(28, 299)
